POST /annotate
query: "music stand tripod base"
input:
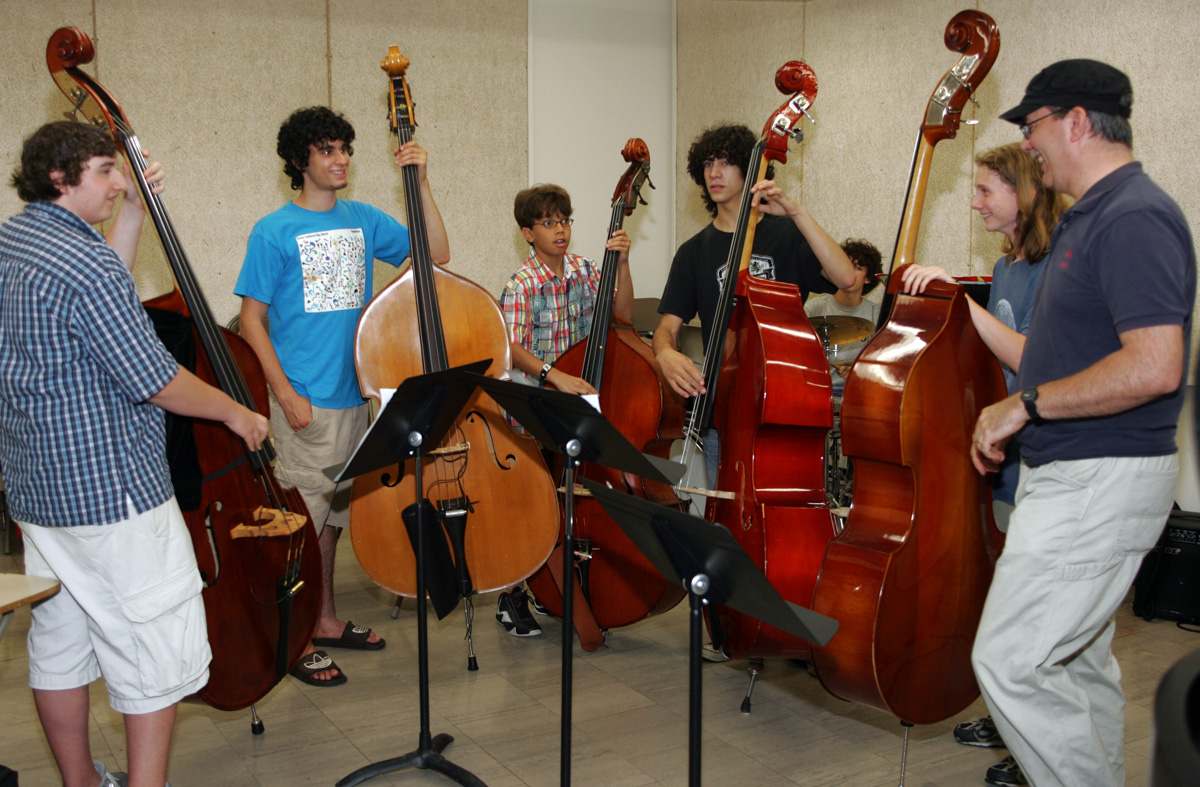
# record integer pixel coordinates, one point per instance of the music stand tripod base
(421, 411)
(708, 561)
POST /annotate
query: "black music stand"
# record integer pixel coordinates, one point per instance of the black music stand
(578, 431)
(715, 569)
(422, 410)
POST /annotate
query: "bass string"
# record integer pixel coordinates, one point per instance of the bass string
(214, 342)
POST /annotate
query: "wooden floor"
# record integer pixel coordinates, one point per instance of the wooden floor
(630, 712)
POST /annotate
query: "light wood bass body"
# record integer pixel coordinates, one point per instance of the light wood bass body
(513, 526)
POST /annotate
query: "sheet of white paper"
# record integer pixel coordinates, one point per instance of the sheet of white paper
(594, 401)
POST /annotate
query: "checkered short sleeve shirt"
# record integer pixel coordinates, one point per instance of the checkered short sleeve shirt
(78, 362)
(547, 314)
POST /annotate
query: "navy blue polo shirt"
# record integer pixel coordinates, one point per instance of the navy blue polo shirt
(1120, 259)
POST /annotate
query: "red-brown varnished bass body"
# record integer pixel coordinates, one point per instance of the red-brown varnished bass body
(256, 587)
(240, 574)
(769, 394)
(485, 467)
(907, 578)
(773, 411)
(622, 587)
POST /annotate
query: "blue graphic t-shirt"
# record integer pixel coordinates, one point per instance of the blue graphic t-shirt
(313, 270)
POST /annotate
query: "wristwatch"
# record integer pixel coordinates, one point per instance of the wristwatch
(545, 371)
(1029, 397)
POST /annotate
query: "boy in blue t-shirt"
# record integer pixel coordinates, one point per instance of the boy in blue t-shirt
(308, 272)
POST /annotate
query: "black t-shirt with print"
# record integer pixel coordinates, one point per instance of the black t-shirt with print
(780, 253)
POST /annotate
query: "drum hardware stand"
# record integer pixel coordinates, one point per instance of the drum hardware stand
(755, 666)
(422, 410)
(715, 569)
(571, 426)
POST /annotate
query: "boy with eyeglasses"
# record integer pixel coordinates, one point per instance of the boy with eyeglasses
(548, 305)
(548, 302)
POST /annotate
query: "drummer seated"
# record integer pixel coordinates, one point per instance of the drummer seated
(849, 302)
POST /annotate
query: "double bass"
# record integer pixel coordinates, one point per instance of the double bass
(255, 545)
(489, 486)
(908, 576)
(772, 403)
(620, 585)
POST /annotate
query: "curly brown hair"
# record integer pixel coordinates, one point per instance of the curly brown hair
(309, 126)
(63, 147)
(863, 252)
(1038, 206)
(734, 143)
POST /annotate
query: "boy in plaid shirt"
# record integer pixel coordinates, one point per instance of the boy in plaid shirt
(548, 302)
(548, 305)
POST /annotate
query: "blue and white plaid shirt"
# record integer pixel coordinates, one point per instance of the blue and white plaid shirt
(78, 361)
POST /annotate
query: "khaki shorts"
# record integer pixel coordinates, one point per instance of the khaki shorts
(129, 610)
(303, 456)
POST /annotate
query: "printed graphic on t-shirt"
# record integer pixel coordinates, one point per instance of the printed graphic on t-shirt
(762, 266)
(334, 267)
(1004, 313)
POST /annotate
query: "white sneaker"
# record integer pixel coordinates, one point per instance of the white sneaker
(108, 779)
(113, 778)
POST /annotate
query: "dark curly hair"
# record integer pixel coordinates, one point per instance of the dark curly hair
(734, 143)
(540, 202)
(305, 127)
(863, 252)
(64, 147)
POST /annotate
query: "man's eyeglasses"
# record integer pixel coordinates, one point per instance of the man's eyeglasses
(552, 223)
(1027, 129)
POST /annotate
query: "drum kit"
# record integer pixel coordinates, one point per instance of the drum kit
(843, 338)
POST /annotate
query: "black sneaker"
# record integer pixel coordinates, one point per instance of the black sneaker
(1005, 773)
(512, 612)
(537, 607)
(981, 732)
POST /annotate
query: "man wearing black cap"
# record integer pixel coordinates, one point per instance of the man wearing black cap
(1102, 383)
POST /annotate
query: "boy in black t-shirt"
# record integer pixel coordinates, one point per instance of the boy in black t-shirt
(789, 246)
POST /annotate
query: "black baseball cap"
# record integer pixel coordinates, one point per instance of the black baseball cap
(1076, 83)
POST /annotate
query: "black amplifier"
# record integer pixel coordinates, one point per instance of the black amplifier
(1168, 584)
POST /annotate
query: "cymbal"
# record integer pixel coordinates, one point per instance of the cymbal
(838, 329)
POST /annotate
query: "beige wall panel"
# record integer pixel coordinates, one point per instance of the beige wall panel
(1152, 42)
(728, 53)
(878, 61)
(468, 79)
(869, 111)
(27, 92)
(206, 90)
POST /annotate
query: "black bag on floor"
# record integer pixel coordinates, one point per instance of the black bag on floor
(1168, 584)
